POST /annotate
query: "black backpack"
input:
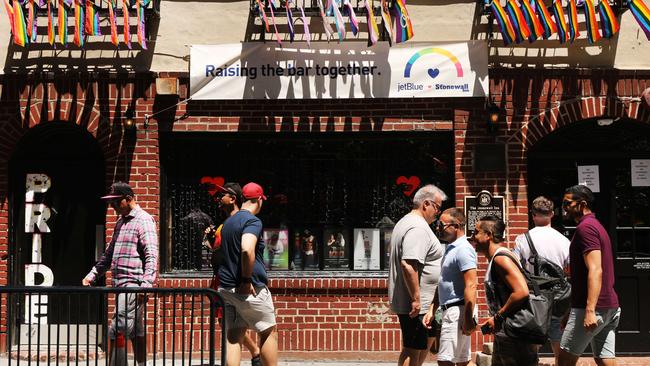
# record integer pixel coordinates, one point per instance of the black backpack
(558, 284)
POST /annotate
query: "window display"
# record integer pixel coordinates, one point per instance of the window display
(366, 249)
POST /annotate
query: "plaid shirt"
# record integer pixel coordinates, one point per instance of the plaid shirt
(132, 253)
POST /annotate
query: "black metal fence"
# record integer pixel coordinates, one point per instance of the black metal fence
(110, 326)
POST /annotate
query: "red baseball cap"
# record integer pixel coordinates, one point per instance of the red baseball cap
(253, 191)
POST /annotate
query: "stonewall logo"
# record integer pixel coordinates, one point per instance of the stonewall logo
(433, 73)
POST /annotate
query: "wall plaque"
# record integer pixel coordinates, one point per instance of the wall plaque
(482, 204)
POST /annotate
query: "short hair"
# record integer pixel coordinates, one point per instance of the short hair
(543, 206)
(428, 192)
(581, 192)
(457, 214)
(494, 225)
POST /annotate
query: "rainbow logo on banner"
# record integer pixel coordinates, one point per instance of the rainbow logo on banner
(433, 72)
(608, 22)
(642, 15)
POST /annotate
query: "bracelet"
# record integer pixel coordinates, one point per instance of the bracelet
(246, 280)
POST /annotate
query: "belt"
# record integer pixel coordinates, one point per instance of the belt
(457, 303)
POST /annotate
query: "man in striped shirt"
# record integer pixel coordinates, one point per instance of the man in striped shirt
(132, 255)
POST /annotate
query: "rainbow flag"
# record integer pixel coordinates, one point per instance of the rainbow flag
(535, 27)
(62, 14)
(403, 26)
(326, 22)
(92, 19)
(338, 20)
(388, 22)
(78, 23)
(505, 26)
(558, 12)
(518, 21)
(275, 25)
(592, 24)
(292, 33)
(31, 21)
(127, 26)
(354, 23)
(19, 26)
(262, 13)
(574, 31)
(50, 23)
(142, 36)
(545, 18)
(112, 5)
(642, 15)
(608, 22)
(306, 26)
(373, 29)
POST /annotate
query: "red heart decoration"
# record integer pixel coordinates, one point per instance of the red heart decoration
(409, 185)
(212, 183)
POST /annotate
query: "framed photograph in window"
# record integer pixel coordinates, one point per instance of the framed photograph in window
(276, 250)
(336, 241)
(366, 249)
(306, 245)
(386, 235)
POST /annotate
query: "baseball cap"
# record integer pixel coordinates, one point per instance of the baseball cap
(117, 190)
(232, 188)
(253, 191)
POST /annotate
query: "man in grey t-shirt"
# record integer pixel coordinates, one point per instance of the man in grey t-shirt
(414, 272)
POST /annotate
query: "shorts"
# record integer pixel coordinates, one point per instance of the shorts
(555, 329)
(603, 339)
(511, 352)
(414, 334)
(253, 312)
(128, 318)
(454, 346)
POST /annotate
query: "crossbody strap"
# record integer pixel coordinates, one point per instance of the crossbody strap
(533, 253)
(529, 281)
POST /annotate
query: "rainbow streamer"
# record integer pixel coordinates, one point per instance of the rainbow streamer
(505, 26)
(62, 14)
(608, 22)
(127, 27)
(265, 21)
(326, 23)
(10, 14)
(50, 23)
(92, 19)
(112, 5)
(558, 12)
(19, 26)
(275, 25)
(142, 36)
(574, 31)
(373, 29)
(338, 21)
(534, 26)
(388, 22)
(642, 15)
(292, 33)
(592, 25)
(403, 26)
(78, 23)
(518, 21)
(306, 26)
(354, 23)
(31, 21)
(545, 17)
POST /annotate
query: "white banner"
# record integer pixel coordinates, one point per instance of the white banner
(348, 70)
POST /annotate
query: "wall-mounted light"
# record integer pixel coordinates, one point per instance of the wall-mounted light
(129, 120)
(493, 116)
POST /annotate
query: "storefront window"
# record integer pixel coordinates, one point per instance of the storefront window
(332, 198)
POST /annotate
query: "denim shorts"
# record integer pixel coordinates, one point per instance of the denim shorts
(555, 329)
(602, 339)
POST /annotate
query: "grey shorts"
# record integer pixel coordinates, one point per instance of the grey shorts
(128, 318)
(253, 312)
(603, 339)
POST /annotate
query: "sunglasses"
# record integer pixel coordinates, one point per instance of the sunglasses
(567, 203)
(442, 225)
(435, 205)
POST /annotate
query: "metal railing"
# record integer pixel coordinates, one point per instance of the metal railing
(72, 326)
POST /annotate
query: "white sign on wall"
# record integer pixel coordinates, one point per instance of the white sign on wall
(588, 176)
(640, 172)
(327, 71)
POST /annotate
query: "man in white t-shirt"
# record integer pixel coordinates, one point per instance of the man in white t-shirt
(550, 244)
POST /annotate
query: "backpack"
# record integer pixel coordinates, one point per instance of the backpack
(558, 284)
(531, 322)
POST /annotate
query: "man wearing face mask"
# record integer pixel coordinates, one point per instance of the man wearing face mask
(456, 291)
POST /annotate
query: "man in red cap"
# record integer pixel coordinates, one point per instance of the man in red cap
(244, 279)
(132, 255)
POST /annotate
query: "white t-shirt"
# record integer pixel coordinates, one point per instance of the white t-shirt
(549, 244)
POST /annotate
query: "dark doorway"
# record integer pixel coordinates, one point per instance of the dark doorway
(74, 163)
(623, 208)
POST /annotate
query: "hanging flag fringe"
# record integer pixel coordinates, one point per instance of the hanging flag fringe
(126, 25)
(31, 21)
(292, 33)
(306, 26)
(403, 26)
(112, 5)
(92, 19)
(507, 32)
(19, 26)
(373, 29)
(50, 24)
(326, 23)
(78, 23)
(592, 25)
(608, 22)
(354, 23)
(62, 14)
(142, 36)
(545, 17)
(262, 15)
(534, 26)
(574, 31)
(388, 22)
(560, 20)
(518, 21)
(10, 15)
(642, 15)
(338, 20)
(275, 25)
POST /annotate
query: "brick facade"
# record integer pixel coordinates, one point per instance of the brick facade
(327, 314)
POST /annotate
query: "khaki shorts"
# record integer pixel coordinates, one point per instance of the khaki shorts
(253, 312)
(128, 318)
(454, 345)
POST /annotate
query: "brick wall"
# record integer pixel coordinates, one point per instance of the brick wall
(316, 314)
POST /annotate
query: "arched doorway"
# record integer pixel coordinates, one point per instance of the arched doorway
(70, 158)
(618, 148)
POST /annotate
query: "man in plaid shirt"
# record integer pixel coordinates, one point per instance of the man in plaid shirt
(132, 255)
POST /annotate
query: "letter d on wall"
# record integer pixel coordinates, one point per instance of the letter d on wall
(36, 305)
